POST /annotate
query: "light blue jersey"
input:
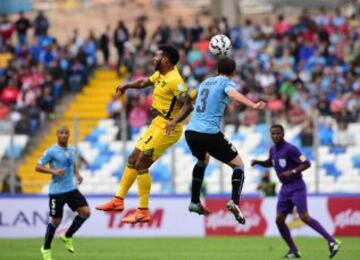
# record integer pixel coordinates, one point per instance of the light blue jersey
(210, 104)
(60, 158)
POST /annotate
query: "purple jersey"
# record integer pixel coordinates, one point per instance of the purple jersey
(286, 157)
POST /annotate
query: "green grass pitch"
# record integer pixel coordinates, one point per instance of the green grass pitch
(247, 248)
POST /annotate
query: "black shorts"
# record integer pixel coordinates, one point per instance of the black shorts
(214, 144)
(74, 199)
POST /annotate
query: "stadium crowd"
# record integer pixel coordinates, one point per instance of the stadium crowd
(35, 70)
(298, 67)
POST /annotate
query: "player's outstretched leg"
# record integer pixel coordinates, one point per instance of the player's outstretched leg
(285, 234)
(142, 214)
(117, 203)
(197, 179)
(334, 245)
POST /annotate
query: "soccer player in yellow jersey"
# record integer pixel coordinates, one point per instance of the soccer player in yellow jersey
(171, 105)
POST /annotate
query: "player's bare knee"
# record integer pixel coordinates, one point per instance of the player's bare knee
(86, 213)
(143, 162)
(55, 222)
(280, 220)
(236, 163)
(132, 158)
(304, 217)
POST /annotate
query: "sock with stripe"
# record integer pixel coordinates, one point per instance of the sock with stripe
(197, 180)
(237, 181)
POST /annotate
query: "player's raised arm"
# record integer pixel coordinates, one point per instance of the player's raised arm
(234, 95)
(138, 84)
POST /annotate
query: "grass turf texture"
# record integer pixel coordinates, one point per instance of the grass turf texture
(178, 248)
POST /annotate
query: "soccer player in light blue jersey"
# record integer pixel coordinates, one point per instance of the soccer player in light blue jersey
(62, 161)
(205, 138)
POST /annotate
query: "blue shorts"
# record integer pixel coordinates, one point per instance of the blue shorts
(287, 199)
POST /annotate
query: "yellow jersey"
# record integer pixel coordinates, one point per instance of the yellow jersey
(167, 88)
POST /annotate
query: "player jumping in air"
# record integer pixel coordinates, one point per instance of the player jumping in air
(289, 163)
(205, 138)
(62, 189)
(171, 105)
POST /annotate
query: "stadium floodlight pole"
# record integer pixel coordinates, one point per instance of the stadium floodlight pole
(314, 118)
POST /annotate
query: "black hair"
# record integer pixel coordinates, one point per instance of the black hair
(171, 53)
(279, 127)
(226, 66)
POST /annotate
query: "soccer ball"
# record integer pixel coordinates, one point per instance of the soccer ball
(220, 45)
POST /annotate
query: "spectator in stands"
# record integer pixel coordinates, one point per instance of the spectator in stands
(138, 117)
(121, 36)
(41, 24)
(47, 102)
(139, 34)
(196, 30)
(307, 134)
(4, 111)
(6, 28)
(342, 136)
(267, 186)
(114, 108)
(22, 25)
(9, 93)
(104, 44)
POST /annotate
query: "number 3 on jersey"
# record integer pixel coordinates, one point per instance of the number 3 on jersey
(203, 95)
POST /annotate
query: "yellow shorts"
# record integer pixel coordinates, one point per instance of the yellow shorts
(155, 141)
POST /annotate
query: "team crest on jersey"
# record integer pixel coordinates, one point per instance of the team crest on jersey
(162, 83)
(282, 163)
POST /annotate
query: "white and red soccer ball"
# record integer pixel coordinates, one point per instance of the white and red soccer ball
(220, 45)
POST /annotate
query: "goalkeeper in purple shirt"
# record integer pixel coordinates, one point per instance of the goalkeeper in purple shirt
(289, 164)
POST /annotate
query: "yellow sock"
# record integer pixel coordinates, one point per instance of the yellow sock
(144, 186)
(127, 180)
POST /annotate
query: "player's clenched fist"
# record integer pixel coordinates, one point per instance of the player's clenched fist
(259, 105)
(120, 90)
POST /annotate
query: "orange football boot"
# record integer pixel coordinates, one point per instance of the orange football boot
(139, 216)
(115, 204)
